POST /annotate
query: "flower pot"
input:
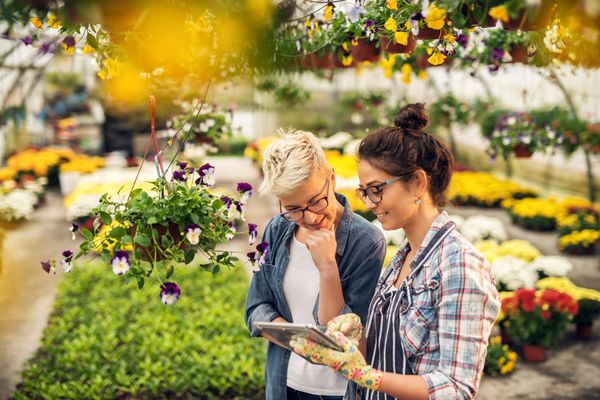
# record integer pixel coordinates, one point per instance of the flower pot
(426, 33)
(326, 61)
(519, 54)
(533, 353)
(390, 46)
(522, 151)
(364, 51)
(583, 331)
(68, 181)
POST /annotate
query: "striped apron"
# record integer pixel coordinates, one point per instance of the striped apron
(385, 350)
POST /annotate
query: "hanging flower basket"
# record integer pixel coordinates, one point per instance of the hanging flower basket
(533, 353)
(390, 46)
(325, 61)
(426, 33)
(522, 151)
(364, 51)
(583, 331)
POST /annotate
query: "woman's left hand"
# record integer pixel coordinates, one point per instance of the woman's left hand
(349, 362)
(322, 246)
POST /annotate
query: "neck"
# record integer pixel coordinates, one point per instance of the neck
(417, 229)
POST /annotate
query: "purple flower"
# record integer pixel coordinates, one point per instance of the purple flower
(252, 232)
(418, 16)
(207, 175)
(120, 262)
(192, 233)
(181, 165)
(497, 54)
(48, 47)
(369, 23)
(232, 230)
(463, 40)
(69, 41)
(67, 262)
(263, 250)
(179, 175)
(48, 266)
(251, 257)
(27, 40)
(355, 13)
(245, 191)
(240, 208)
(169, 293)
(226, 201)
(74, 228)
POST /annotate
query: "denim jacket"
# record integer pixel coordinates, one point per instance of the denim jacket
(360, 252)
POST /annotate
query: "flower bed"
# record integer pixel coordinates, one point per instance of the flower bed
(104, 341)
(500, 360)
(484, 190)
(586, 241)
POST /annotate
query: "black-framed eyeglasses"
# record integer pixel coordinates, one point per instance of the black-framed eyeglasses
(314, 206)
(375, 192)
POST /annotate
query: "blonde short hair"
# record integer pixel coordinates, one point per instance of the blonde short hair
(289, 161)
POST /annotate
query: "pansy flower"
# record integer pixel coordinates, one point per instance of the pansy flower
(207, 175)
(192, 233)
(179, 175)
(181, 165)
(74, 228)
(27, 40)
(232, 230)
(67, 261)
(252, 232)
(48, 266)
(240, 208)
(227, 202)
(263, 253)
(120, 262)
(169, 293)
(355, 13)
(245, 191)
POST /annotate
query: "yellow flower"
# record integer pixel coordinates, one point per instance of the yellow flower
(401, 38)
(499, 12)
(450, 38)
(103, 73)
(345, 47)
(347, 60)
(113, 67)
(328, 13)
(391, 24)
(422, 74)
(307, 22)
(53, 21)
(437, 59)
(36, 22)
(392, 4)
(88, 49)
(68, 49)
(435, 17)
(406, 70)
(354, 42)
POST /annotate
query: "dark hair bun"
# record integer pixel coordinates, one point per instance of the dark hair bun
(412, 117)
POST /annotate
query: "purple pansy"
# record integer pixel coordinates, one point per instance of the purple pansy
(232, 230)
(240, 208)
(48, 47)
(251, 257)
(463, 40)
(263, 253)
(497, 54)
(181, 165)
(48, 266)
(226, 201)
(69, 41)
(355, 12)
(179, 175)
(252, 232)
(27, 40)
(67, 261)
(192, 233)
(169, 293)
(74, 228)
(120, 262)
(245, 191)
(207, 175)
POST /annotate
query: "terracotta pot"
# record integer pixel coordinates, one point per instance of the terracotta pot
(364, 51)
(426, 33)
(519, 54)
(390, 46)
(326, 61)
(522, 151)
(533, 353)
(306, 61)
(583, 331)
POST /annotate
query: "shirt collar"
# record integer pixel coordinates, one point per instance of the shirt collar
(437, 224)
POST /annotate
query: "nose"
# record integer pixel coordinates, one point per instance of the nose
(369, 204)
(310, 217)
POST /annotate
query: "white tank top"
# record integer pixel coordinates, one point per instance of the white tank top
(300, 288)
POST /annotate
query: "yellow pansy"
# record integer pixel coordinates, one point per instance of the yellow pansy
(436, 59)
(309, 33)
(391, 24)
(450, 38)
(354, 42)
(499, 12)
(103, 73)
(88, 49)
(392, 4)
(68, 49)
(328, 13)
(53, 21)
(422, 74)
(401, 38)
(36, 22)
(347, 60)
(307, 22)
(345, 47)
(435, 17)
(406, 71)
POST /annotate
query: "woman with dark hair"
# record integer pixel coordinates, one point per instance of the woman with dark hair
(434, 307)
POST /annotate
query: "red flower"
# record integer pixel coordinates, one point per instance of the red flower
(545, 314)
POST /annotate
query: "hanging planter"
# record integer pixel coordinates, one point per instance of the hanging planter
(522, 151)
(426, 33)
(364, 51)
(533, 353)
(325, 61)
(390, 46)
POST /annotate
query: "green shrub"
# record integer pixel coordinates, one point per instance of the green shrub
(106, 341)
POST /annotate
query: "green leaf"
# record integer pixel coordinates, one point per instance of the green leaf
(105, 218)
(152, 220)
(86, 234)
(189, 256)
(142, 240)
(170, 271)
(91, 40)
(140, 282)
(118, 232)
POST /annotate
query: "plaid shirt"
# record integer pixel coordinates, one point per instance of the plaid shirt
(454, 305)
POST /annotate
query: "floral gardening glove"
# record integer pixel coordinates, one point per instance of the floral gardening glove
(348, 324)
(349, 362)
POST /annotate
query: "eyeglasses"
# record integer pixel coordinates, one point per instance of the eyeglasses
(314, 206)
(375, 192)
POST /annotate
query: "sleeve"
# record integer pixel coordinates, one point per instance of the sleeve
(362, 281)
(260, 300)
(468, 308)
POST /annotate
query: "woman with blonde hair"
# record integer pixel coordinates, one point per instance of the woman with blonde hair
(324, 260)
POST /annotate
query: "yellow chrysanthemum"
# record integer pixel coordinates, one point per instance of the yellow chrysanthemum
(435, 17)
(499, 12)
(391, 24)
(436, 58)
(392, 4)
(401, 38)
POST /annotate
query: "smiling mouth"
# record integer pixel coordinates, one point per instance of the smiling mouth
(381, 214)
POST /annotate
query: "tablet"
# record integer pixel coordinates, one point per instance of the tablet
(282, 332)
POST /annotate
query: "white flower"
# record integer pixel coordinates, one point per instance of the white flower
(192, 234)
(514, 273)
(67, 265)
(120, 262)
(480, 227)
(552, 265)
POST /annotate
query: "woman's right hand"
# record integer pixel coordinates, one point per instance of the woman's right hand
(348, 324)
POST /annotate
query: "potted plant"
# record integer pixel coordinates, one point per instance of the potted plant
(501, 46)
(500, 359)
(146, 234)
(201, 124)
(537, 319)
(582, 242)
(589, 311)
(448, 110)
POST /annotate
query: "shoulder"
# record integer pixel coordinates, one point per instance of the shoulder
(365, 232)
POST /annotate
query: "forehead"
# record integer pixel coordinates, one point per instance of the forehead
(313, 186)
(368, 173)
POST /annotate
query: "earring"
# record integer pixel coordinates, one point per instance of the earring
(418, 201)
